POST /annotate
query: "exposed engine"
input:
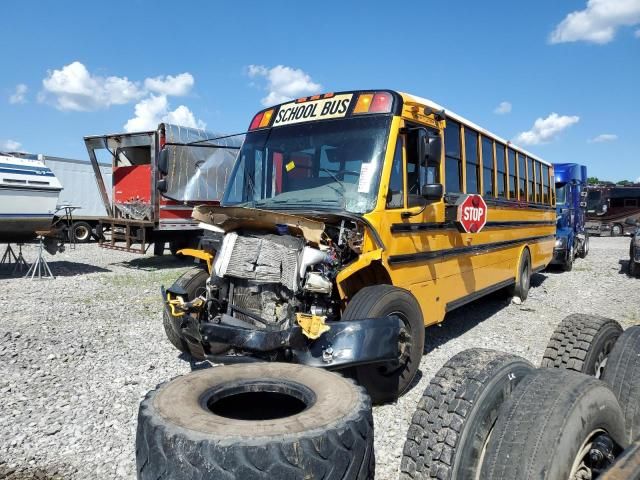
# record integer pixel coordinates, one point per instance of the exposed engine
(266, 279)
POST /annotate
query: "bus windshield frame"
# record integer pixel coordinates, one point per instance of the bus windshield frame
(322, 165)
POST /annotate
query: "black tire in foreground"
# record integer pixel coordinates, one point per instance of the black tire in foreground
(582, 343)
(193, 281)
(454, 418)
(567, 266)
(546, 427)
(81, 232)
(623, 376)
(634, 268)
(256, 421)
(521, 288)
(385, 383)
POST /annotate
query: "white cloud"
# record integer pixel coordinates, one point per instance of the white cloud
(19, 96)
(74, 88)
(503, 108)
(177, 86)
(11, 145)
(598, 22)
(153, 110)
(605, 137)
(284, 83)
(546, 129)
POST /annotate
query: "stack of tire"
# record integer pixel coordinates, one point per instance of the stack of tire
(492, 415)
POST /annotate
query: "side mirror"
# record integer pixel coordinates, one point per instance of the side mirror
(162, 185)
(432, 191)
(163, 161)
(428, 147)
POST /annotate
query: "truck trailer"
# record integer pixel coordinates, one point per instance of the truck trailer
(158, 177)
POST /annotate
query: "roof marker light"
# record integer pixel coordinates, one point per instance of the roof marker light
(266, 118)
(255, 123)
(363, 104)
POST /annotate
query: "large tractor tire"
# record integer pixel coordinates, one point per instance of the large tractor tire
(453, 421)
(623, 376)
(193, 281)
(523, 281)
(256, 421)
(545, 430)
(385, 383)
(582, 343)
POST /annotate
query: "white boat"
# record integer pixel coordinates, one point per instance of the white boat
(29, 193)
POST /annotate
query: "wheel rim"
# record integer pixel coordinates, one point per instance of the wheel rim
(526, 277)
(81, 232)
(580, 469)
(404, 347)
(603, 356)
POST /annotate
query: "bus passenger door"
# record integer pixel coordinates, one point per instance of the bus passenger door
(411, 221)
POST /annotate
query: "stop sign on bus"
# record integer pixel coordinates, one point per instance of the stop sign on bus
(472, 213)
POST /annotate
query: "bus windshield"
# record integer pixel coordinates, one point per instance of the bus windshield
(330, 164)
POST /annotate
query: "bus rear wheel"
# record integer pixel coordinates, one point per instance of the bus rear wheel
(385, 383)
(523, 280)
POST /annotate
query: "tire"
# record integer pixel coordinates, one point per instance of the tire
(81, 232)
(261, 433)
(634, 268)
(549, 418)
(617, 230)
(582, 343)
(584, 249)
(457, 412)
(158, 248)
(523, 281)
(387, 383)
(623, 376)
(192, 281)
(567, 266)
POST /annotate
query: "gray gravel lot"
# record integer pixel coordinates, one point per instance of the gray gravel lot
(78, 353)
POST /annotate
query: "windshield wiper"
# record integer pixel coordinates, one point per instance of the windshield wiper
(335, 178)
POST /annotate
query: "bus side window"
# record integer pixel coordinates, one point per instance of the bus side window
(472, 161)
(522, 177)
(395, 195)
(539, 181)
(512, 174)
(502, 170)
(546, 194)
(530, 174)
(453, 158)
(487, 167)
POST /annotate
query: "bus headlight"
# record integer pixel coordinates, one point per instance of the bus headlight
(561, 242)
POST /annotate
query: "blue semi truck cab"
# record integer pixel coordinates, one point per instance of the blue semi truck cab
(571, 239)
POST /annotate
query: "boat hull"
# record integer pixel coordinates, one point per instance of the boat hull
(25, 211)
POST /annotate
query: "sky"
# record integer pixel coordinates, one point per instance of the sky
(558, 77)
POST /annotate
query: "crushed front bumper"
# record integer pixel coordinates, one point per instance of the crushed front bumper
(346, 343)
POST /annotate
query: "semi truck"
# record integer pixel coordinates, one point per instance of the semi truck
(571, 238)
(157, 177)
(609, 207)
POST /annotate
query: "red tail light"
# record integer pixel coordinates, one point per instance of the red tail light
(381, 103)
(255, 123)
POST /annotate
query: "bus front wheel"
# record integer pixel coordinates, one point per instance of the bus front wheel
(616, 230)
(523, 279)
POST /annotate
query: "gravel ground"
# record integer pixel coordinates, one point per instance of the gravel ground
(79, 352)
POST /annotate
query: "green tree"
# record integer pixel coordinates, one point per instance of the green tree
(593, 180)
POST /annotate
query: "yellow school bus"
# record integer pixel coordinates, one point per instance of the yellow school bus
(352, 220)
